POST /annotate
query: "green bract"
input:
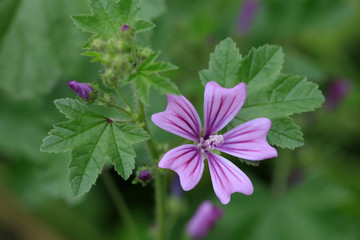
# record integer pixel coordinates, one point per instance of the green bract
(147, 75)
(270, 93)
(92, 140)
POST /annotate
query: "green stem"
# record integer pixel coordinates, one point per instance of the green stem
(116, 106)
(120, 204)
(124, 99)
(282, 167)
(160, 187)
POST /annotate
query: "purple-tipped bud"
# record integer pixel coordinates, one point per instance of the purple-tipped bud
(337, 91)
(204, 220)
(176, 189)
(83, 90)
(124, 27)
(247, 15)
(144, 175)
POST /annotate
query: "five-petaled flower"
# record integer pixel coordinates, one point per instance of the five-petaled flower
(247, 141)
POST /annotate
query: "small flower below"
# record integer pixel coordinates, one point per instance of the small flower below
(144, 175)
(204, 220)
(83, 90)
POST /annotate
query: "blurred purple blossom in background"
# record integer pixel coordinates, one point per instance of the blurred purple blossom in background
(83, 90)
(247, 14)
(338, 89)
(204, 220)
(144, 175)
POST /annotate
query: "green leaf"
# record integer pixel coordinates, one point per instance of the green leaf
(285, 133)
(33, 53)
(261, 67)
(92, 138)
(108, 16)
(151, 9)
(285, 96)
(7, 13)
(143, 25)
(224, 65)
(147, 75)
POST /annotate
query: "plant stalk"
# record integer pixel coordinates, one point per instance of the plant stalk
(120, 204)
(160, 187)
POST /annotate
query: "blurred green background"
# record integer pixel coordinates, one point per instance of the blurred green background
(312, 192)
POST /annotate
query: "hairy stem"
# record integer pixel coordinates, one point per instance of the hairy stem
(120, 204)
(282, 167)
(160, 194)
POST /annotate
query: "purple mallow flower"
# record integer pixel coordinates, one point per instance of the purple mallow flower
(204, 220)
(124, 28)
(247, 15)
(339, 88)
(144, 175)
(247, 141)
(83, 90)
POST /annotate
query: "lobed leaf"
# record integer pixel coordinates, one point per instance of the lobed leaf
(285, 96)
(285, 133)
(261, 67)
(92, 139)
(224, 65)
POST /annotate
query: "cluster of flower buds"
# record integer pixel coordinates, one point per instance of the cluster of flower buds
(115, 54)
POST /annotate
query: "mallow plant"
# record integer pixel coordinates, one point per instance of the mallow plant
(248, 102)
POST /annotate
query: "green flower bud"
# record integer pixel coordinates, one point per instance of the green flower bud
(119, 45)
(109, 78)
(144, 52)
(97, 44)
(106, 59)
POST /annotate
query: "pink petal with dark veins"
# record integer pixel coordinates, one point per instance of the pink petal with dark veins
(248, 141)
(221, 105)
(187, 161)
(180, 118)
(227, 178)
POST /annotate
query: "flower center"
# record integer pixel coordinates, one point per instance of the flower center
(211, 143)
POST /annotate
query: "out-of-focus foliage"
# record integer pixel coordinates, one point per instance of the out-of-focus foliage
(310, 193)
